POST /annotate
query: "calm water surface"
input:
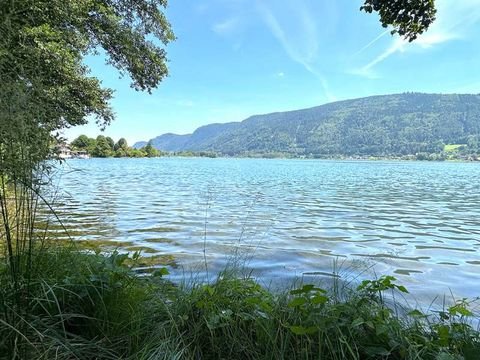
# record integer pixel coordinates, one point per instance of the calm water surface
(418, 221)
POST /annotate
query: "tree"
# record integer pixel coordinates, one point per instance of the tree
(150, 150)
(102, 147)
(137, 153)
(121, 144)
(473, 142)
(121, 148)
(83, 142)
(110, 142)
(409, 18)
(46, 85)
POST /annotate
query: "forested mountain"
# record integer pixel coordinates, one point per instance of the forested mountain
(387, 125)
(172, 142)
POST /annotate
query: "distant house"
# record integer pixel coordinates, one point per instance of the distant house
(63, 151)
(80, 154)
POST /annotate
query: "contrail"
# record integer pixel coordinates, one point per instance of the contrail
(371, 43)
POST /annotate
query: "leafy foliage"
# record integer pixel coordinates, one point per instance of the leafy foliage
(103, 147)
(83, 142)
(150, 150)
(87, 305)
(408, 18)
(46, 86)
(81, 306)
(43, 44)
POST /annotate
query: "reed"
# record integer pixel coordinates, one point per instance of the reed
(85, 305)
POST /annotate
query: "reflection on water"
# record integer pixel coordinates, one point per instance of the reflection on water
(418, 221)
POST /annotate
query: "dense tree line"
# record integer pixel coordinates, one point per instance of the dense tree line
(105, 146)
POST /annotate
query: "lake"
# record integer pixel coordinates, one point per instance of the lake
(417, 221)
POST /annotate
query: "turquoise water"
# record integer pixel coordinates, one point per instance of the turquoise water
(417, 221)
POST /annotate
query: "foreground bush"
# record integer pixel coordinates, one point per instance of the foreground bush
(74, 305)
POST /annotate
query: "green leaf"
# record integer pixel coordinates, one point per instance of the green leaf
(210, 290)
(364, 285)
(119, 259)
(301, 330)
(407, 18)
(305, 289)
(416, 313)
(459, 309)
(357, 322)
(311, 330)
(443, 315)
(443, 332)
(381, 329)
(161, 272)
(297, 302)
(136, 255)
(319, 299)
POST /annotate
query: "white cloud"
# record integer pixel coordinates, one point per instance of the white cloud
(301, 42)
(281, 74)
(398, 45)
(304, 47)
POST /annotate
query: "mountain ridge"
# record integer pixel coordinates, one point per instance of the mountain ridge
(379, 125)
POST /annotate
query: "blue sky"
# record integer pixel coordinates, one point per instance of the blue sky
(236, 58)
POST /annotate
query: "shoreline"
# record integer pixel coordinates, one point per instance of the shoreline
(369, 159)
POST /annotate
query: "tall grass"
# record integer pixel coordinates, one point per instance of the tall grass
(83, 305)
(238, 319)
(18, 208)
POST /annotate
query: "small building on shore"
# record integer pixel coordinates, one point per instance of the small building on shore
(80, 154)
(63, 151)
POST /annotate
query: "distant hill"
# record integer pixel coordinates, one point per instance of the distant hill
(166, 142)
(140, 144)
(385, 125)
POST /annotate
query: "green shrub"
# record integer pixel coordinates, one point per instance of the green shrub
(82, 305)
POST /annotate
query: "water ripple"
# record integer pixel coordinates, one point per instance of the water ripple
(419, 221)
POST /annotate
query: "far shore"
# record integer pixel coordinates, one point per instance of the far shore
(410, 158)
